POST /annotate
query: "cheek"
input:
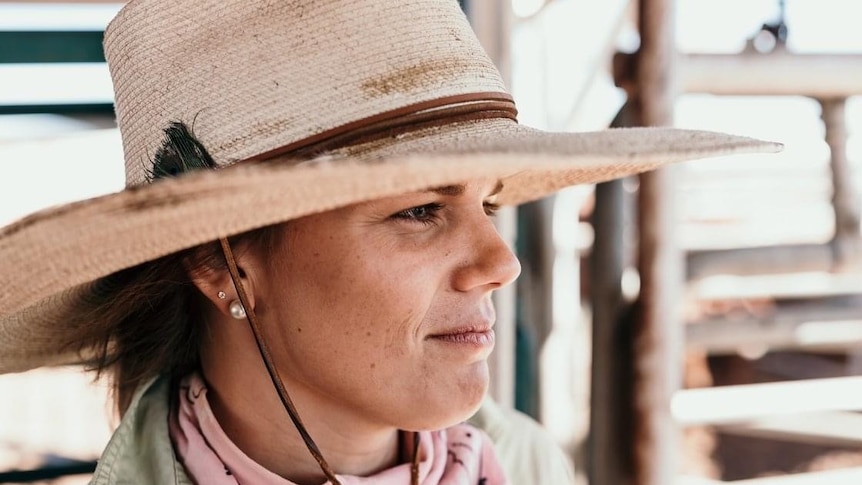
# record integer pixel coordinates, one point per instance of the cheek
(354, 326)
(364, 283)
(369, 313)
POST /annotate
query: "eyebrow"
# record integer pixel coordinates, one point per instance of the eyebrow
(456, 190)
(497, 189)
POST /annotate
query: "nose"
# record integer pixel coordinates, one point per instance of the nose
(489, 262)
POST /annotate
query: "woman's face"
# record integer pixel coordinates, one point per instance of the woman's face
(384, 308)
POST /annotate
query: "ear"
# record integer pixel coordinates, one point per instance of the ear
(213, 281)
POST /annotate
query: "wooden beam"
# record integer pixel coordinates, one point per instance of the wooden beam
(844, 476)
(759, 260)
(774, 74)
(777, 73)
(748, 402)
(833, 429)
(820, 332)
(801, 286)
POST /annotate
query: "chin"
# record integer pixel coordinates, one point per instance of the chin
(475, 388)
(452, 404)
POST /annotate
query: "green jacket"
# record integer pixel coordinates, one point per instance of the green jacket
(528, 453)
(140, 451)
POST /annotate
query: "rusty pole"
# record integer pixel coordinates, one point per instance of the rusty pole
(658, 327)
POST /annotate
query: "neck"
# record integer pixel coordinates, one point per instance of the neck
(252, 416)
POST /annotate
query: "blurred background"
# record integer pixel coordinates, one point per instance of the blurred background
(698, 325)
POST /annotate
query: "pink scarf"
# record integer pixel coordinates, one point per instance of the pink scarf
(460, 455)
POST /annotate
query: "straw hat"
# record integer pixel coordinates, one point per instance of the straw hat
(346, 102)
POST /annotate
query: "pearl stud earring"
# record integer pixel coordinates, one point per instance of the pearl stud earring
(236, 310)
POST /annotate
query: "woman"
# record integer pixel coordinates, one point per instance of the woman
(295, 285)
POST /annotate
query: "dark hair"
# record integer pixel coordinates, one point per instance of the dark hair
(146, 321)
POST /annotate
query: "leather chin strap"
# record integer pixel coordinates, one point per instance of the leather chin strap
(279, 385)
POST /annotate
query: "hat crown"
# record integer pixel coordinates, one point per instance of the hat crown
(250, 77)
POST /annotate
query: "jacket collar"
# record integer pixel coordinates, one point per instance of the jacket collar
(140, 450)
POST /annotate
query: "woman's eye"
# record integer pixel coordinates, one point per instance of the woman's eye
(490, 208)
(425, 214)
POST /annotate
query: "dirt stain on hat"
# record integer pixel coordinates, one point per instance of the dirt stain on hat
(415, 77)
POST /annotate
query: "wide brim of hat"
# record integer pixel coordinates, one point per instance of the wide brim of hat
(50, 258)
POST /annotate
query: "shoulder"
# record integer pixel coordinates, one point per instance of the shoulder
(528, 453)
(140, 450)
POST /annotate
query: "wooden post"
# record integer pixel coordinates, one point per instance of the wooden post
(845, 201)
(610, 457)
(502, 360)
(609, 446)
(535, 288)
(658, 331)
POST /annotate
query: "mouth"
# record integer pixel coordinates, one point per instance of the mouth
(481, 336)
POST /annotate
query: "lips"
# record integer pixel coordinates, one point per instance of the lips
(481, 335)
(477, 331)
(483, 338)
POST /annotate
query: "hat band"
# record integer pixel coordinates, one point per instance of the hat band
(440, 111)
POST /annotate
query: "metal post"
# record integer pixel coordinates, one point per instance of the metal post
(658, 329)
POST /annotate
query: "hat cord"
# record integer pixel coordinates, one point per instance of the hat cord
(279, 386)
